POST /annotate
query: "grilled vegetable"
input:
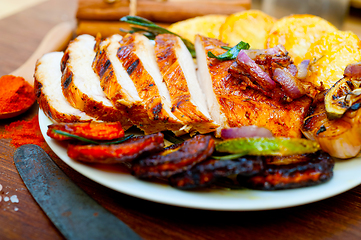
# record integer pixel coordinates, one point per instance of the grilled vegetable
(89, 130)
(342, 95)
(117, 153)
(245, 131)
(206, 25)
(277, 146)
(251, 26)
(291, 172)
(176, 158)
(209, 171)
(339, 137)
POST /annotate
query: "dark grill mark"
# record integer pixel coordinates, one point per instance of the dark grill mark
(67, 81)
(38, 90)
(50, 115)
(156, 110)
(104, 68)
(132, 67)
(322, 129)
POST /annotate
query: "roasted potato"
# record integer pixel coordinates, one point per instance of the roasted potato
(331, 54)
(297, 33)
(207, 26)
(249, 26)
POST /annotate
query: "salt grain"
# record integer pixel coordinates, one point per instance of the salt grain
(14, 199)
(16, 209)
(6, 199)
(1, 187)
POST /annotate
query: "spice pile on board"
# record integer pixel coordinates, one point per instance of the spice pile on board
(15, 94)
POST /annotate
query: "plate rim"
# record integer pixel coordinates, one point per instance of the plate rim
(194, 195)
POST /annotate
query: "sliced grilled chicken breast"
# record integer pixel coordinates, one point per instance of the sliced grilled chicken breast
(178, 70)
(81, 86)
(207, 78)
(137, 57)
(231, 104)
(50, 98)
(114, 79)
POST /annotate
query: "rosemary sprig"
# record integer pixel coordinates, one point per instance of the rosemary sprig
(172, 138)
(151, 30)
(92, 141)
(230, 156)
(231, 53)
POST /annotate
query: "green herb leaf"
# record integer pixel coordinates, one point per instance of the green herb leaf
(151, 30)
(230, 156)
(92, 141)
(172, 138)
(231, 53)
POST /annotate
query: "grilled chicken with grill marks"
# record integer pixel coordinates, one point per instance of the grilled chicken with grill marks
(233, 104)
(51, 100)
(177, 68)
(81, 86)
(137, 56)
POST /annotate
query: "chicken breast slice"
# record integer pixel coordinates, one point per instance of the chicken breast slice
(179, 73)
(137, 57)
(234, 105)
(206, 78)
(80, 84)
(47, 89)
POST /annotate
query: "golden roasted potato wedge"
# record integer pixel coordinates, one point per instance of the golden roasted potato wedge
(249, 26)
(207, 26)
(297, 33)
(331, 54)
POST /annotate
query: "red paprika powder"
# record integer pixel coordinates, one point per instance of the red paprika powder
(15, 94)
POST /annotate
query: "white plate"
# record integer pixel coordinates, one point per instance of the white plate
(346, 176)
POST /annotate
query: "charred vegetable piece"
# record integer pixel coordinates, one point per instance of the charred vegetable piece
(291, 172)
(117, 153)
(276, 146)
(89, 130)
(245, 131)
(176, 158)
(209, 171)
(339, 137)
(341, 96)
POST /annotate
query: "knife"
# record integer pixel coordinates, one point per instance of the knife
(73, 212)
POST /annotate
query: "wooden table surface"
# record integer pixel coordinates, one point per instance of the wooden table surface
(334, 218)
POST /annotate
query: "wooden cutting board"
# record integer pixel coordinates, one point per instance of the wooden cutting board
(103, 15)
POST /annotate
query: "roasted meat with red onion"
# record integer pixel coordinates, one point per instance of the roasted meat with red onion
(291, 172)
(233, 104)
(208, 172)
(177, 158)
(117, 153)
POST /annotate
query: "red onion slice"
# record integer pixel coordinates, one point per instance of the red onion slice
(253, 53)
(252, 68)
(292, 69)
(290, 84)
(353, 70)
(245, 131)
(303, 69)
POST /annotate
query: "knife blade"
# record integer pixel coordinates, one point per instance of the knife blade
(73, 212)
